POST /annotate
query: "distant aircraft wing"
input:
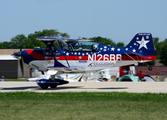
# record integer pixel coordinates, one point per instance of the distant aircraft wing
(66, 70)
(76, 78)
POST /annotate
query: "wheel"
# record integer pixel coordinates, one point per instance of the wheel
(53, 86)
(143, 80)
(149, 68)
(44, 87)
(105, 79)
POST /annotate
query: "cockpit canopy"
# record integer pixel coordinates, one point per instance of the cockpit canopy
(83, 46)
(75, 46)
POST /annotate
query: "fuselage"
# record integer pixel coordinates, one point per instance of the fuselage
(83, 60)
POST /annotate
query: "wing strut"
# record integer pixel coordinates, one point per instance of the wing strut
(67, 61)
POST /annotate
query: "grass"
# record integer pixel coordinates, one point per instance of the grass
(15, 79)
(82, 106)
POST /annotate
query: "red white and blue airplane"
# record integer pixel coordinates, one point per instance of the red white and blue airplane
(67, 55)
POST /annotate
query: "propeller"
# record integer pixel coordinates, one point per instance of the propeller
(20, 55)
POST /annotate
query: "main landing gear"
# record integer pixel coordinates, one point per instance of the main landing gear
(44, 83)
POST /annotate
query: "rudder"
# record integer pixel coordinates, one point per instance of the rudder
(142, 44)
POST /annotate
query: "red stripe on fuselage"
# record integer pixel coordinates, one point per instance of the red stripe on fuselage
(35, 55)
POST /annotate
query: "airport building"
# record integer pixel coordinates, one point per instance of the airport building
(10, 66)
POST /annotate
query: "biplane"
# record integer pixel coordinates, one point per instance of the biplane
(67, 55)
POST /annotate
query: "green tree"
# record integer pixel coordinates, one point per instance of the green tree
(18, 40)
(6, 45)
(120, 44)
(163, 53)
(104, 41)
(158, 46)
(1, 45)
(30, 41)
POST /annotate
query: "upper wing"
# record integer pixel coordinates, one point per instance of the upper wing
(68, 40)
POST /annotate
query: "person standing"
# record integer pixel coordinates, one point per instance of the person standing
(2, 79)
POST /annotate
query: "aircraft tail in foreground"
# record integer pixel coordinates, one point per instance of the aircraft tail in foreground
(142, 45)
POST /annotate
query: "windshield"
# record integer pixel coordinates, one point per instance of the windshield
(64, 45)
(56, 46)
(83, 46)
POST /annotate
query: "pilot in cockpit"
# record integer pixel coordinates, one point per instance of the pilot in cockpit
(94, 47)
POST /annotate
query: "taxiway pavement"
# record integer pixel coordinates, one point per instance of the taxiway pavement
(135, 87)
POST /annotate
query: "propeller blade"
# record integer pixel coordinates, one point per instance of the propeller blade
(21, 45)
(20, 54)
(21, 66)
(42, 72)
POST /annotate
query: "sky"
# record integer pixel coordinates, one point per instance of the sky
(118, 20)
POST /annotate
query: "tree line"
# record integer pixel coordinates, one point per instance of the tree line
(31, 42)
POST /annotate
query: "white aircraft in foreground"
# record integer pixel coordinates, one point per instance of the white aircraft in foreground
(67, 77)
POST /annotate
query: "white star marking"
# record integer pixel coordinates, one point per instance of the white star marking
(87, 53)
(100, 48)
(118, 49)
(105, 47)
(75, 53)
(112, 49)
(126, 48)
(67, 53)
(83, 54)
(134, 50)
(143, 43)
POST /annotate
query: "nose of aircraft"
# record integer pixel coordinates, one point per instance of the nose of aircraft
(17, 54)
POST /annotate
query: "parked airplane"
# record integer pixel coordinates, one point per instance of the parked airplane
(68, 55)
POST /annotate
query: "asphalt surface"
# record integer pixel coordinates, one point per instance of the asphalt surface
(135, 87)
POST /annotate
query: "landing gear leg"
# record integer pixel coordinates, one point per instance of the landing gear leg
(42, 72)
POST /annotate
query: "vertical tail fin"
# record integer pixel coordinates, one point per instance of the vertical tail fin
(142, 45)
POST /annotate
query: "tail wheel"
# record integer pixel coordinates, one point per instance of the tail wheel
(150, 68)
